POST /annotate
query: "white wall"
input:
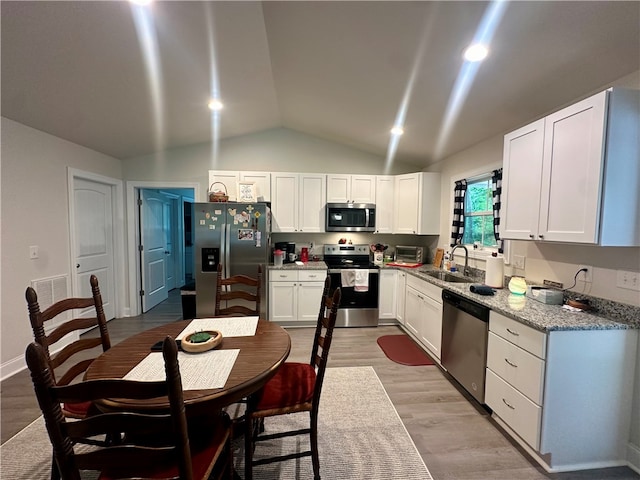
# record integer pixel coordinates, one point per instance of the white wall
(275, 150)
(35, 212)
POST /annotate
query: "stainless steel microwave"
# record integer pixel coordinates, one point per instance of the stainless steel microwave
(350, 217)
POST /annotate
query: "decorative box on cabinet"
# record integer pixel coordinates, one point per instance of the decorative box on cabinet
(563, 174)
(343, 188)
(417, 204)
(298, 202)
(294, 295)
(564, 395)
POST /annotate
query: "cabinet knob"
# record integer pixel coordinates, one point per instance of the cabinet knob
(531, 235)
(541, 236)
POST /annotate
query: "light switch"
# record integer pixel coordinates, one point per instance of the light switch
(33, 252)
(628, 280)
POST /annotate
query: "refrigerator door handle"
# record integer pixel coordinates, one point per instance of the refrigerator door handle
(227, 251)
(223, 248)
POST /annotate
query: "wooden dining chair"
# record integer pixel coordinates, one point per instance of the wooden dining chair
(296, 387)
(60, 310)
(153, 445)
(224, 294)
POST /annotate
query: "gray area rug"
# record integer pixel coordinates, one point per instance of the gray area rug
(361, 436)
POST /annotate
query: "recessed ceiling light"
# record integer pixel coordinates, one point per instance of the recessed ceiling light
(141, 2)
(215, 105)
(476, 53)
(397, 130)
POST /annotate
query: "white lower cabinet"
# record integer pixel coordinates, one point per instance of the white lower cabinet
(387, 303)
(401, 292)
(564, 395)
(520, 413)
(295, 295)
(423, 313)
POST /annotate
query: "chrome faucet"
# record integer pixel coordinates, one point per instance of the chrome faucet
(466, 258)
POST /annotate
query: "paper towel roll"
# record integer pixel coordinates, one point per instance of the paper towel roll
(494, 276)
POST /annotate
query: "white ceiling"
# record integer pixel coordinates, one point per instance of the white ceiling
(336, 70)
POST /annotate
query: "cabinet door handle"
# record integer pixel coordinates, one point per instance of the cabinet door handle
(507, 404)
(512, 364)
(516, 334)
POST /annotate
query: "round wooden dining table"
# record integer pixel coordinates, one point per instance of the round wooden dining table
(259, 358)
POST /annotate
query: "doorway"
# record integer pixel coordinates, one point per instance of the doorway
(157, 243)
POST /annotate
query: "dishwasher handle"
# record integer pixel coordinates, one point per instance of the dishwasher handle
(469, 306)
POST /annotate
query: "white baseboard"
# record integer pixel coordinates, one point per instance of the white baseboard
(10, 368)
(633, 457)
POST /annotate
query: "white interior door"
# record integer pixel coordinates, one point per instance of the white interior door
(169, 252)
(93, 241)
(153, 257)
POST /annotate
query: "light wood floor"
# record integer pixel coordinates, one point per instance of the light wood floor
(455, 436)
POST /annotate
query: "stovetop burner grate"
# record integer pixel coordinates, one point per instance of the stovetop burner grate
(348, 256)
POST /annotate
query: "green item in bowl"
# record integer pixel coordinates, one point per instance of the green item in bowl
(199, 337)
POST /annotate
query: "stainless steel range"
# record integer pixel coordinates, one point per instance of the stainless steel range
(351, 269)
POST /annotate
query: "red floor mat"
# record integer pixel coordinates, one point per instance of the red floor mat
(401, 349)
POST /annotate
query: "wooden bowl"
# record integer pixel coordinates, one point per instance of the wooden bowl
(197, 347)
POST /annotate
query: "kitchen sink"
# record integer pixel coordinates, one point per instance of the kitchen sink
(450, 277)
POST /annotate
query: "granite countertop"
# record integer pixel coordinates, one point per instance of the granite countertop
(319, 265)
(526, 310)
(519, 307)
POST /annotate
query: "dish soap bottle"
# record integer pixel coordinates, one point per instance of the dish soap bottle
(446, 263)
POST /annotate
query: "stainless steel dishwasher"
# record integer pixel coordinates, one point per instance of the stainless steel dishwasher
(465, 327)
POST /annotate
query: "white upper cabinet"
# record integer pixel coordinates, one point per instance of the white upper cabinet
(230, 180)
(313, 201)
(574, 176)
(298, 202)
(351, 188)
(522, 175)
(385, 188)
(417, 204)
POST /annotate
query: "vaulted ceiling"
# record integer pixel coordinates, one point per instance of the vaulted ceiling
(343, 71)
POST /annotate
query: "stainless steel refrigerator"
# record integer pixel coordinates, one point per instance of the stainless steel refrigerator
(236, 235)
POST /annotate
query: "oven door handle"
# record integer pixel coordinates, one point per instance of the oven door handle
(370, 271)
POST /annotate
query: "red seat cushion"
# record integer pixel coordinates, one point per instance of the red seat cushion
(292, 384)
(201, 458)
(78, 410)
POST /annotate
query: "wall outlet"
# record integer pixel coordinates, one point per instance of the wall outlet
(628, 280)
(33, 252)
(518, 261)
(585, 276)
